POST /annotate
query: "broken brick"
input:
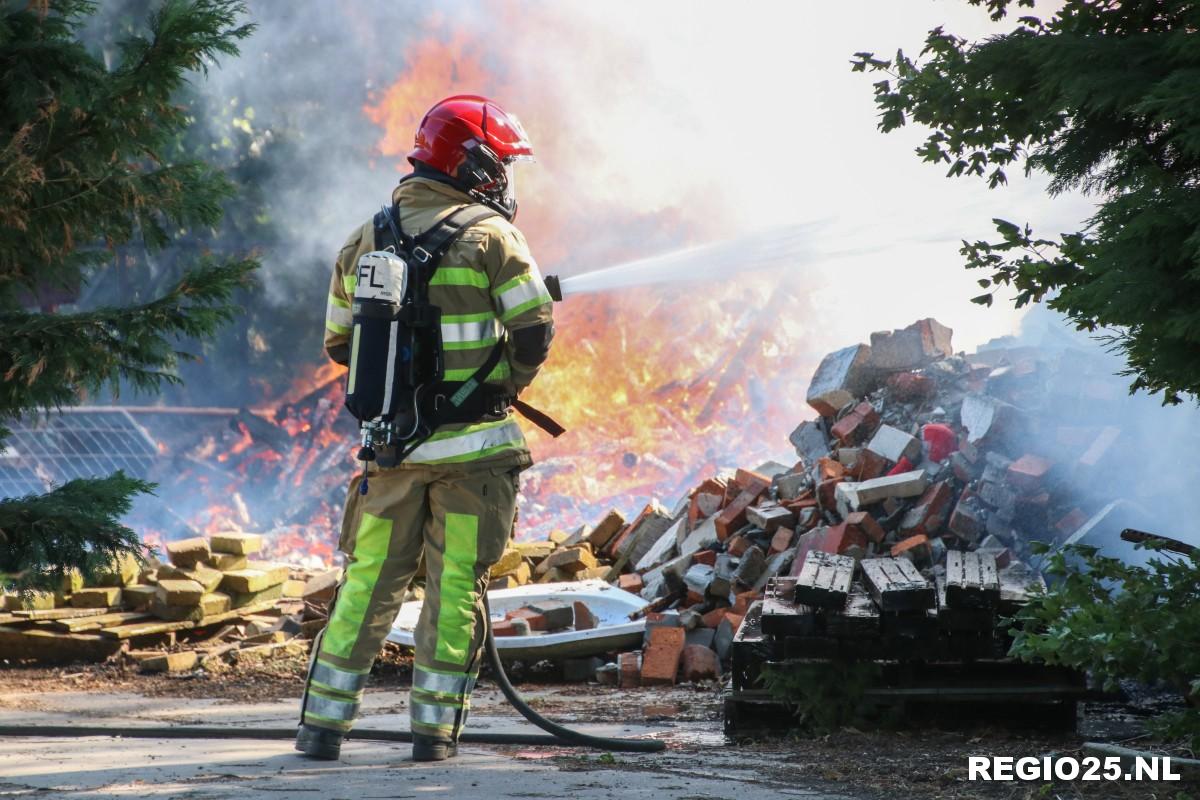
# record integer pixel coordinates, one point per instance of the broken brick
(631, 583)
(737, 545)
(929, 514)
(855, 426)
(915, 548)
(661, 657)
(916, 346)
(699, 664)
(1028, 472)
(782, 540)
(585, 620)
(629, 670)
(908, 387)
(866, 524)
(733, 516)
(708, 557)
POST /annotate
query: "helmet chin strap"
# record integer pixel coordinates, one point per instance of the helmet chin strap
(423, 170)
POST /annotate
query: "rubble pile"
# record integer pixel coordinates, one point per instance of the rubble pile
(914, 490)
(209, 599)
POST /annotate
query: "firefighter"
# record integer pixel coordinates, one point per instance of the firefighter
(453, 499)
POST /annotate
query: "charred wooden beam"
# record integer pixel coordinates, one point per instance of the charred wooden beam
(896, 585)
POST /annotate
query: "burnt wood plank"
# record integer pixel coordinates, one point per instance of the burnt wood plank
(824, 580)
(958, 618)
(896, 585)
(971, 580)
(781, 617)
(858, 619)
(1017, 583)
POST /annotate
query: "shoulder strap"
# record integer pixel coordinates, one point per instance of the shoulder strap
(426, 248)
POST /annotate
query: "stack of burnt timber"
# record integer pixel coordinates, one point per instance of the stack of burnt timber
(209, 598)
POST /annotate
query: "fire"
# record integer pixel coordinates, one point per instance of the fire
(659, 387)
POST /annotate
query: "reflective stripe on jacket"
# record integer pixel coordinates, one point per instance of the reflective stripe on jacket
(487, 283)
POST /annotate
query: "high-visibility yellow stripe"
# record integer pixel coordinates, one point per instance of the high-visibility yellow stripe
(349, 283)
(350, 610)
(470, 443)
(459, 276)
(502, 371)
(456, 611)
(337, 301)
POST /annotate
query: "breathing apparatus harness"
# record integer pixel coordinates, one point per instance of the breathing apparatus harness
(396, 386)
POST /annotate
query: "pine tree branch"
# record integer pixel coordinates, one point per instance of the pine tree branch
(75, 526)
(47, 360)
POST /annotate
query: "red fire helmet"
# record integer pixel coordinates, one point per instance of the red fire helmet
(452, 125)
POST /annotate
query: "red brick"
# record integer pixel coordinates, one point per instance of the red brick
(742, 603)
(856, 426)
(867, 525)
(1072, 522)
(917, 546)
(733, 516)
(692, 598)
(735, 620)
(505, 627)
(751, 481)
(629, 670)
(826, 493)
(1028, 472)
(705, 557)
(737, 545)
(631, 583)
(830, 468)
(585, 620)
(699, 664)
(930, 512)
(660, 658)
(869, 465)
(909, 386)
(615, 543)
(713, 618)
(536, 620)
(966, 522)
(782, 540)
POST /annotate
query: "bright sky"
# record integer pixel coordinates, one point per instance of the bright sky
(751, 110)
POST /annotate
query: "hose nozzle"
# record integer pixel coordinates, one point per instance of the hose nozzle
(554, 287)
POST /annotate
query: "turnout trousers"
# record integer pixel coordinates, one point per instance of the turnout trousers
(460, 519)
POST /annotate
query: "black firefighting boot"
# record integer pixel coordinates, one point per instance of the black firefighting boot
(427, 748)
(319, 743)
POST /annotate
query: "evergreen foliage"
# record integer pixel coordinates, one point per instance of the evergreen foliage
(86, 166)
(1100, 97)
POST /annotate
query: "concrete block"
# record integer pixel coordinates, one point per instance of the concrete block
(842, 376)
(240, 544)
(227, 562)
(557, 614)
(97, 597)
(138, 596)
(810, 441)
(170, 662)
(175, 592)
(894, 444)
(242, 581)
(750, 567)
(864, 493)
(239, 599)
(188, 552)
(770, 517)
(663, 548)
(509, 560)
(121, 571)
(572, 559)
(605, 530)
(919, 344)
(703, 537)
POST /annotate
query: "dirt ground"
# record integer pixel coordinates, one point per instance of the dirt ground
(849, 763)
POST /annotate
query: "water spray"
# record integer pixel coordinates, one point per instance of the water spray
(771, 249)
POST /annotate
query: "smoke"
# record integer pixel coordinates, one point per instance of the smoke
(711, 134)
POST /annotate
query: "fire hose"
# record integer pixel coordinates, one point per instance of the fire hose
(559, 735)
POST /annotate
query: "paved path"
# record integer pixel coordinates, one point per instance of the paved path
(698, 764)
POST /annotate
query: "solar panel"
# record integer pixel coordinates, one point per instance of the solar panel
(48, 450)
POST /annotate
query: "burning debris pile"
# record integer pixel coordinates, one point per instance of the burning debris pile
(210, 600)
(910, 512)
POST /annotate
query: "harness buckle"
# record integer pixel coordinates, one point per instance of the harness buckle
(421, 254)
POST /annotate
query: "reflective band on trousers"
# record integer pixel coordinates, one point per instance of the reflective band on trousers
(340, 679)
(429, 714)
(329, 708)
(457, 684)
(470, 440)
